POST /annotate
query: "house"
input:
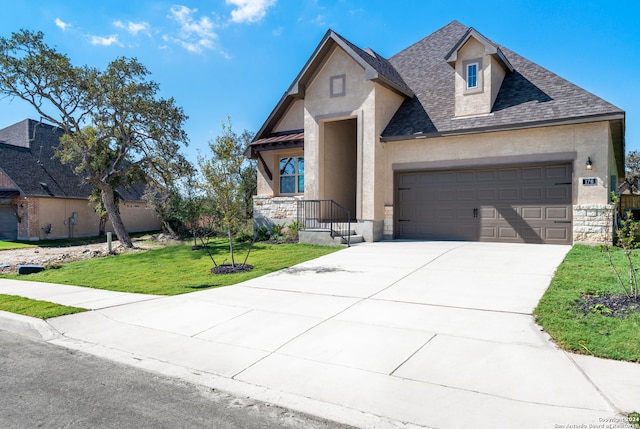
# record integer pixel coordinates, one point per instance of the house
(40, 198)
(454, 138)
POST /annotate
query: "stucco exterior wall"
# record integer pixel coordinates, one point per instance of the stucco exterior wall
(293, 119)
(320, 107)
(583, 140)
(49, 218)
(479, 101)
(137, 217)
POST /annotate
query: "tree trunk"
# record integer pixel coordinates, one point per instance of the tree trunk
(114, 216)
(167, 228)
(233, 262)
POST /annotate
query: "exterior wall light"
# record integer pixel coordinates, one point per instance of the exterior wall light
(589, 164)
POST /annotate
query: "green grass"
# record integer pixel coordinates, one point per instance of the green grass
(176, 269)
(586, 270)
(11, 245)
(35, 308)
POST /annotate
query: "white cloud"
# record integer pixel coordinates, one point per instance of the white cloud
(196, 34)
(133, 27)
(104, 41)
(61, 24)
(249, 10)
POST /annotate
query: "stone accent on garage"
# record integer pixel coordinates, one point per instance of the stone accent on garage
(592, 223)
(268, 211)
(387, 232)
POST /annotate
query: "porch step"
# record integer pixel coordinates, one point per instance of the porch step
(323, 236)
(353, 239)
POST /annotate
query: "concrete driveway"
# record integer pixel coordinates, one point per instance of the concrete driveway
(389, 334)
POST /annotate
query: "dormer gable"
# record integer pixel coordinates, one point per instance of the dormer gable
(480, 67)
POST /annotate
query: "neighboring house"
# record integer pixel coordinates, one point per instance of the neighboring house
(454, 138)
(40, 198)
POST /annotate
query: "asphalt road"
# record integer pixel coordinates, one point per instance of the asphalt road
(46, 386)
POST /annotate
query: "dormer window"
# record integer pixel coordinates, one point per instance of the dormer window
(473, 76)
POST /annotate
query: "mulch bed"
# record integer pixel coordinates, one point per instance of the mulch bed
(231, 269)
(609, 305)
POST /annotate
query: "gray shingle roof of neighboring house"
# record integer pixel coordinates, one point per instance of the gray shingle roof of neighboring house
(529, 94)
(27, 157)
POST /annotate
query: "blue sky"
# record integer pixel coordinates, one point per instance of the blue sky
(237, 57)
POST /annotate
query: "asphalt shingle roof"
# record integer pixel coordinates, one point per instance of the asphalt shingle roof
(27, 156)
(378, 63)
(529, 94)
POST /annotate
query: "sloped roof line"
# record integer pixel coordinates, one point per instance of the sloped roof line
(491, 48)
(376, 69)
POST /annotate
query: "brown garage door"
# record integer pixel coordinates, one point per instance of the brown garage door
(525, 204)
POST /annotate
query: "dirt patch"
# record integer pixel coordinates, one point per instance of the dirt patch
(52, 256)
(609, 305)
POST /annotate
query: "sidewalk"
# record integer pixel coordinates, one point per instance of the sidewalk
(382, 335)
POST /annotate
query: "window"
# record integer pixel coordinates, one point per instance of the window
(292, 175)
(472, 75)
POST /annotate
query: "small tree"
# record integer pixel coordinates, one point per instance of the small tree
(626, 239)
(223, 178)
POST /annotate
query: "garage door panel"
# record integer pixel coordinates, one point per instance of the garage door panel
(512, 204)
(509, 194)
(558, 233)
(489, 233)
(562, 193)
(508, 175)
(532, 194)
(8, 223)
(507, 233)
(557, 213)
(558, 172)
(487, 213)
(465, 195)
(532, 173)
(532, 213)
(486, 175)
(486, 194)
(464, 177)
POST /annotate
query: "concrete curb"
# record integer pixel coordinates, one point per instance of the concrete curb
(30, 327)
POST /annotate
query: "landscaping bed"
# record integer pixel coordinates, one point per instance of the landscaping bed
(586, 311)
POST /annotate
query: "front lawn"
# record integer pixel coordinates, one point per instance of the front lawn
(176, 269)
(11, 245)
(35, 308)
(594, 329)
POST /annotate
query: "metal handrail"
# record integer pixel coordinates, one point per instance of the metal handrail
(325, 215)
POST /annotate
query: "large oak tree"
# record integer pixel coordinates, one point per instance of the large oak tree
(118, 131)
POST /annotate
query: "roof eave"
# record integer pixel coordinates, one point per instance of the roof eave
(508, 127)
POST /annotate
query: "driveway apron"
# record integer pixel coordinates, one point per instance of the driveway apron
(432, 334)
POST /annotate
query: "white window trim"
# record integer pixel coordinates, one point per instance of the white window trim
(479, 73)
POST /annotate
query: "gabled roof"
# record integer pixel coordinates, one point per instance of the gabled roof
(376, 67)
(530, 95)
(27, 158)
(490, 48)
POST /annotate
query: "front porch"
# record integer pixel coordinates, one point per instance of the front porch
(319, 221)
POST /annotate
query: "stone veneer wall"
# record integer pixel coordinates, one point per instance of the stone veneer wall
(387, 232)
(593, 223)
(274, 210)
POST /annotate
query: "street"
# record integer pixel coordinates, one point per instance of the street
(43, 385)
